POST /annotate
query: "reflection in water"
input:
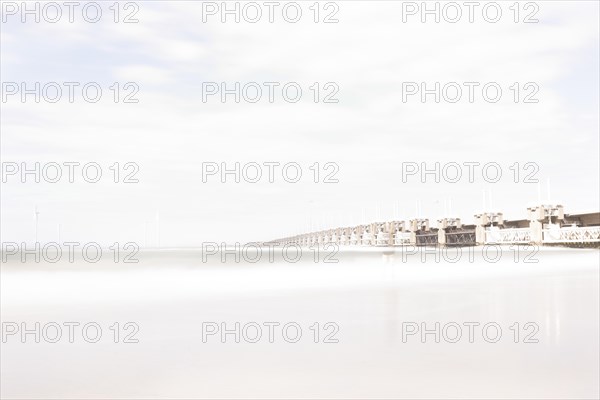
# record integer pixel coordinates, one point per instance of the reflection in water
(370, 297)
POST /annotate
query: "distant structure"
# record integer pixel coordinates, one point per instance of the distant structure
(547, 224)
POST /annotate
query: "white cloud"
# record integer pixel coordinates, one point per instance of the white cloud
(369, 133)
(143, 74)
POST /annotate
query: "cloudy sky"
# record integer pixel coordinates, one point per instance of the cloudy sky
(369, 133)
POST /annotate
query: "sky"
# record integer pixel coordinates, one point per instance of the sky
(368, 136)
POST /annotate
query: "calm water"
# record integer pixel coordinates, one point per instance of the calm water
(366, 306)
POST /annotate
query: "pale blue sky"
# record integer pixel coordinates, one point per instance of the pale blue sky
(369, 53)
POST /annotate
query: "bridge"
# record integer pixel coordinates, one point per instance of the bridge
(547, 224)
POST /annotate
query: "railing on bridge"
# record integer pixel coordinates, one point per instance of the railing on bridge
(382, 239)
(402, 238)
(366, 239)
(508, 236)
(461, 238)
(427, 239)
(571, 234)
